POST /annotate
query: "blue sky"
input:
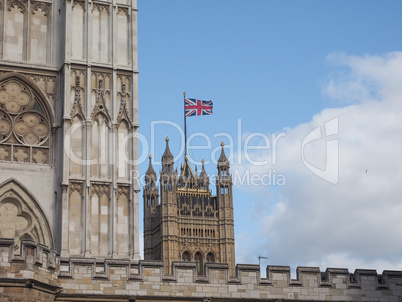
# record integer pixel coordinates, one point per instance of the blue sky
(285, 68)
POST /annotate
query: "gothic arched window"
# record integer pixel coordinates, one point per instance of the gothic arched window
(20, 216)
(186, 256)
(100, 143)
(27, 31)
(25, 126)
(210, 257)
(199, 262)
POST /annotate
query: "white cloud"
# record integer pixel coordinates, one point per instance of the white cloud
(355, 222)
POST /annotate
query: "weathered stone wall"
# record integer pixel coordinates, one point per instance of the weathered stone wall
(23, 294)
(99, 196)
(36, 274)
(27, 274)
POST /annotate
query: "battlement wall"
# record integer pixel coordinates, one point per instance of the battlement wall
(90, 279)
(28, 274)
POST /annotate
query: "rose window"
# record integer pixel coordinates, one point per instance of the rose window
(31, 128)
(15, 98)
(24, 126)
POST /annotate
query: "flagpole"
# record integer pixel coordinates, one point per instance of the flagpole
(185, 125)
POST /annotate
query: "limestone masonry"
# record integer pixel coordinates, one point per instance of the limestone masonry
(187, 223)
(69, 191)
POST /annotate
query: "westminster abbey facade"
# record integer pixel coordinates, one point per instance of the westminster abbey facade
(68, 98)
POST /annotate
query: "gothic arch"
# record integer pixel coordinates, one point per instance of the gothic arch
(39, 33)
(41, 7)
(21, 217)
(80, 3)
(199, 261)
(102, 119)
(18, 3)
(26, 121)
(211, 257)
(186, 256)
(123, 123)
(77, 109)
(41, 96)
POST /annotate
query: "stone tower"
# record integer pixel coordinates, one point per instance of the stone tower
(68, 119)
(189, 224)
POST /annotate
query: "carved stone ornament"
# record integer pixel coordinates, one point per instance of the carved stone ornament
(76, 186)
(31, 128)
(123, 190)
(123, 10)
(40, 7)
(77, 109)
(100, 189)
(16, 3)
(15, 97)
(100, 105)
(123, 115)
(100, 7)
(79, 3)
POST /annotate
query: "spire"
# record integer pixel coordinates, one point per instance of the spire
(223, 161)
(167, 157)
(150, 172)
(186, 178)
(186, 171)
(203, 178)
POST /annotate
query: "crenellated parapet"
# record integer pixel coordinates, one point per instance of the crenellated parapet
(66, 279)
(28, 271)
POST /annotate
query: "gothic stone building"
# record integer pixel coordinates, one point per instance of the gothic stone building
(188, 224)
(68, 98)
(69, 206)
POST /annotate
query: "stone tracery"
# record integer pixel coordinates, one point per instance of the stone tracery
(21, 217)
(23, 122)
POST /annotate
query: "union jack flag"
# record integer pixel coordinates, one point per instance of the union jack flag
(197, 107)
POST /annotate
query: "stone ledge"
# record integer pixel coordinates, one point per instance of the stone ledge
(29, 283)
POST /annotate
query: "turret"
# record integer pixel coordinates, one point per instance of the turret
(151, 201)
(224, 179)
(151, 190)
(168, 210)
(225, 203)
(203, 179)
(167, 159)
(168, 176)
